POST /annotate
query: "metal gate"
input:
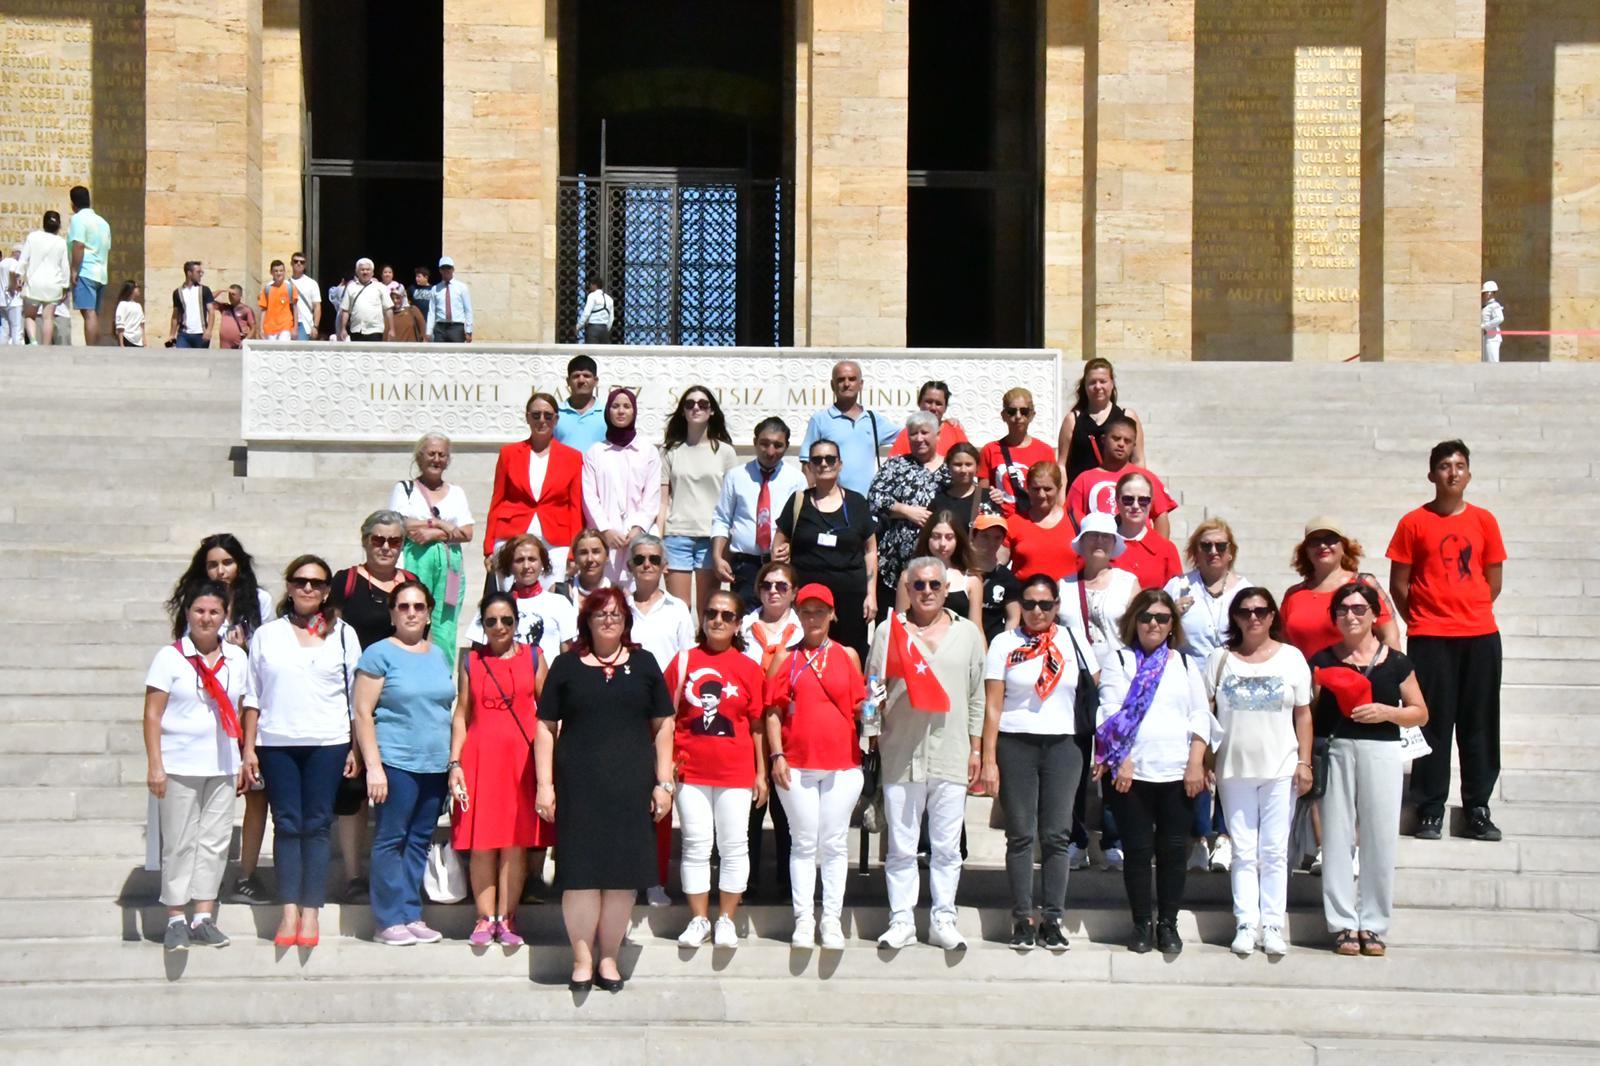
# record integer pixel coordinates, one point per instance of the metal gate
(689, 257)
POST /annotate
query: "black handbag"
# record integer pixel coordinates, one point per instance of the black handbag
(1086, 701)
(1319, 767)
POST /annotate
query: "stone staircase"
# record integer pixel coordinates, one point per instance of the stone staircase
(121, 462)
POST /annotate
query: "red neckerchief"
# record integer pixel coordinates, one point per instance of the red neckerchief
(769, 652)
(529, 592)
(1041, 645)
(215, 689)
(316, 625)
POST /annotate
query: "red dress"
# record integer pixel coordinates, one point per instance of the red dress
(497, 758)
(818, 693)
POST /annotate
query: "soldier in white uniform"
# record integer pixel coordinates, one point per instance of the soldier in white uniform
(1493, 316)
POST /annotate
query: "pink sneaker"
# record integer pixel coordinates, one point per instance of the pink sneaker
(507, 934)
(483, 933)
(422, 934)
(395, 936)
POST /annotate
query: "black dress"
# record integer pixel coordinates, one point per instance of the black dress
(1088, 442)
(841, 565)
(605, 769)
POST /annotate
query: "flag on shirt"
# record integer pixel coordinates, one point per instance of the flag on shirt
(905, 662)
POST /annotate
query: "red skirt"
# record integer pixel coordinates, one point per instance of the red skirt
(498, 765)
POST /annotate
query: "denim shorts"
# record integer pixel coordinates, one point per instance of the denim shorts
(688, 553)
(86, 294)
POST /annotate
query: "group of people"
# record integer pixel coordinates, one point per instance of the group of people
(672, 628)
(46, 276)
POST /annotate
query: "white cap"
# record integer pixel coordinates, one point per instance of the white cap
(1490, 286)
(446, 261)
(1097, 522)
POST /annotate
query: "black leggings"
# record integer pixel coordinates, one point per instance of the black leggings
(1154, 818)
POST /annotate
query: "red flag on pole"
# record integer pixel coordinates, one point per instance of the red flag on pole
(905, 662)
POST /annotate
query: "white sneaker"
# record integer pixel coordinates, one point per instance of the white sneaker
(1113, 858)
(1355, 862)
(1244, 941)
(1272, 941)
(1222, 855)
(727, 935)
(900, 935)
(656, 896)
(697, 933)
(1316, 865)
(805, 933)
(1077, 858)
(1199, 856)
(944, 934)
(831, 935)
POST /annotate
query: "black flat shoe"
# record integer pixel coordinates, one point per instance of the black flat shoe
(1167, 938)
(606, 984)
(575, 985)
(1142, 933)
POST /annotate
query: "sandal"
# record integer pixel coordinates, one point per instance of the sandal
(1372, 944)
(1345, 942)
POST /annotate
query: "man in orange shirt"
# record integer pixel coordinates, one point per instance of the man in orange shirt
(277, 307)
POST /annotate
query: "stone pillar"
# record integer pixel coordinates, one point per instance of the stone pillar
(1432, 194)
(853, 271)
(203, 134)
(1066, 31)
(500, 163)
(1575, 192)
(283, 112)
(1144, 180)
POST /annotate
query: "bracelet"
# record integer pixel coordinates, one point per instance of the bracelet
(1303, 763)
(776, 755)
(453, 764)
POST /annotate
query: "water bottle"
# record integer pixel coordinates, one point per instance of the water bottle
(871, 719)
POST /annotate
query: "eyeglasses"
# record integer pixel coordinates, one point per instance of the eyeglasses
(541, 416)
(298, 582)
(1154, 618)
(1357, 610)
(1323, 540)
(1214, 547)
(823, 460)
(1038, 605)
(932, 584)
(647, 560)
(385, 542)
(408, 608)
(714, 614)
(1136, 501)
(496, 621)
(296, 261)
(1258, 614)
(606, 616)
(774, 586)
(697, 405)
(1016, 412)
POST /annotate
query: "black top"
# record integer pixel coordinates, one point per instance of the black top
(366, 610)
(1000, 587)
(965, 510)
(1081, 453)
(1386, 678)
(851, 526)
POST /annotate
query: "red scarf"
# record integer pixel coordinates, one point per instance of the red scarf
(215, 689)
(769, 652)
(316, 625)
(1041, 644)
(529, 592)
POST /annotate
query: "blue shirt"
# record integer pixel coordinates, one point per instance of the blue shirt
(460, 305)
(413, 713)
(858, 450)
(735, 513)
(581, 429)
(94, 233)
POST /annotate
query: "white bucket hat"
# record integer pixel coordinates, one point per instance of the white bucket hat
(1099, 523)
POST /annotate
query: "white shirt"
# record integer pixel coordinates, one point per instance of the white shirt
(1205, 623)
(364, 306)
(192, 741)
(130, 320)
(788, 628)
(307, 295)
(453, 508)
(304, 694)
(194, 316)
(9, 268)
(598, 309)
(735, 513)
(1493, 315)
(44, 266)
(666, 630)
(1255, 711)
(1107, 605)
(1179, 712)
(538, 466)
(548, 620)
(1021, 710)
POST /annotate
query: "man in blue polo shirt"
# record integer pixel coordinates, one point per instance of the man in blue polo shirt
(582, 420)
(858, 432)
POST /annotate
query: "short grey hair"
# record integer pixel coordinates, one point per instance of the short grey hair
(922, 420)
(385, 517)
(422, 446)
(645, 540)
(364, 262)
(925, 562)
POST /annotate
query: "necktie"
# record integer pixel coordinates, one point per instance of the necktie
(764, 514)
(448, 317)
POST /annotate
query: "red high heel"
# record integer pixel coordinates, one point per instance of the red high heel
(309, 941)
(286, 941)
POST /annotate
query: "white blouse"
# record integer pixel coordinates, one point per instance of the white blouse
(1179, 712)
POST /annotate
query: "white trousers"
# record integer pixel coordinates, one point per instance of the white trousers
(1259, 812)
(1491, 348)
(11, 324)
(196, 827)
(903, 805)
(819, 804)
(702, 810)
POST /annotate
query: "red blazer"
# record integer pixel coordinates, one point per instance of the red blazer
(560, 502)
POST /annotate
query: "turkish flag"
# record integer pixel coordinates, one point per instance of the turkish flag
(905, 661)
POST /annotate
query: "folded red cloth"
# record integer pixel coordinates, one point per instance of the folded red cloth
(1350, 687)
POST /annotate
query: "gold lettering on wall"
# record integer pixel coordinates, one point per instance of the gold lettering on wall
(46, 117)
(1327, 201)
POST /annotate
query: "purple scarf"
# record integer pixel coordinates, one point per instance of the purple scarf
(621, 436)
(1114, 738)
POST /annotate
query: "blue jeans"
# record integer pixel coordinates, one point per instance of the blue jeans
(687, 553)
(191, 340)
(1208, 820)
(400, 845)
(301, 784)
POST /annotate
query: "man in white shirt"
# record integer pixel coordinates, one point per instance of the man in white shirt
(307, 300)
(747, 509)
(365, 311)
(194, 314)
(599, 312)
(449, 308)
(1494, 316)
(11, 297)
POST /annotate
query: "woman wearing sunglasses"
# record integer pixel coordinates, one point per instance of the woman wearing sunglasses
(1150, 557)
(297, 737)
(1261, 690)
(621, 481)
(546, 619)
(403, 699)
(696, 455)
(1365, 693)
(438, 523)
(1030, 760)
(769, 632)
(537, 487)
(1155, 726)
(1004, 463)
(826, 533)
(721, 766)
(1327, 559)
(490, 776)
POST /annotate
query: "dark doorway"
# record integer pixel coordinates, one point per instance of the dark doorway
(974, 271)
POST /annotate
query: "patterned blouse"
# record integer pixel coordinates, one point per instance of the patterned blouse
(901, 479)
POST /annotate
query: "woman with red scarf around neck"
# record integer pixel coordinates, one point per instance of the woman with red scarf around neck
(297, 736)
(538, 486)
(812, 697)
(545, 618)
(769, 632)
(191, 740)
(621, 482)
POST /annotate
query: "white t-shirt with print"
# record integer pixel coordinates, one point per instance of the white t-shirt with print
(192, 741)
(548, 620)
(1255, 711)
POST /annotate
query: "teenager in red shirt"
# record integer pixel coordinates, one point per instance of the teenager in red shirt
(1447, 560)
(1094, 490)
(1149, 556)
(1004, 463)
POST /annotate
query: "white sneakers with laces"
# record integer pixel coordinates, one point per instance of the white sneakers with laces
(805, 933)
(698, 933)
(1272, 941)
(1244, 940)
(1222, 855)
(899, 935)
(831, 935)
(1077, 858)
(1113, 858)
(944, 934)
(1199, 856)
(726, 934)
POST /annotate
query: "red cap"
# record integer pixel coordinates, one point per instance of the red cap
(814, 591)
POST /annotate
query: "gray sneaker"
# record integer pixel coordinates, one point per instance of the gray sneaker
(177, 938)
(206, 935)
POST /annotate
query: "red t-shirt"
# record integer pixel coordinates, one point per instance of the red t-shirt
(1307, 625)
(1037, 550)
(1012, 480)
(1449, 590)
(817, 694)
(716, 714)
(1152, 559)
(949, 434)
(1096, 490)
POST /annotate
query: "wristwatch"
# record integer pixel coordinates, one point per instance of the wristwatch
(774, 756)
(454, 764)
(666, 786)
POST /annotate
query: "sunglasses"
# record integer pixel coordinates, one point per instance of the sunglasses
(647, 560)
(1154, 618)
(385, 542)
(307, 582)
(1016, 412)
(823, 460)
(1323, 540)
(716, 614)
(1136, 501)
(1038, 605)
(697, 405)
(541, 416)
(1358, 610)
(410, 607)
(1258, 614)
(292, 261)
(774, 586)
(499, 620)
(923, 586)
(1214, 547)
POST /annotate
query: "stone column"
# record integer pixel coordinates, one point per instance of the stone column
(283, 108)
(500, 163)
(1144, 180)
(203, 135)
(1066, 31)
(1575, 192)
(855, 193)
(1433, 59)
